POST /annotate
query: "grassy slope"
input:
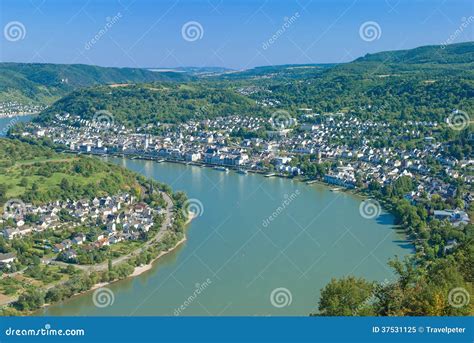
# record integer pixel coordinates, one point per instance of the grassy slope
(47, 169)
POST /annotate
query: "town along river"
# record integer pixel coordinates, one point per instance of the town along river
(236, 256)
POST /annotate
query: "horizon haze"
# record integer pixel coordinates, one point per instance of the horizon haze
(232, 34)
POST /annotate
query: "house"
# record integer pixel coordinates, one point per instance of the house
(79, 239)
(115, 239)
(70, 254)
(7, 259)
(58, 247)
(456, 217)
(192, 156)
(111, 227)
(450, 245)
(10, 233)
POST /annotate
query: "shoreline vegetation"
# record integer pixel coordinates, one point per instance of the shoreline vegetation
(138, 270)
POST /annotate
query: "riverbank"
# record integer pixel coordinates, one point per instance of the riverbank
(142, 269)
(139, 270)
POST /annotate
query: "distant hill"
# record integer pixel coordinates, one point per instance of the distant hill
(433, 54)
(424, 83)
(43, 83)
(288, 71)
(454, 58)
(434, 60)
(196, 71)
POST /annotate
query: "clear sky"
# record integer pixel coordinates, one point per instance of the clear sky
(229, 33)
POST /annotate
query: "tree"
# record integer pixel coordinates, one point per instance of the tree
(3, 192)
(64, 184)
(31, 300)
(34, 187)
(345, 297)
(24, 182)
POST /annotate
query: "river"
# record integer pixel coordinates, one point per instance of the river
(255, 236)
(237, 259)
(7, 122)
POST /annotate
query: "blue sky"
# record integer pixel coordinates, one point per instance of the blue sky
(230, 33)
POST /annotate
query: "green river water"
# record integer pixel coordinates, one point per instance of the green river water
(236, 259)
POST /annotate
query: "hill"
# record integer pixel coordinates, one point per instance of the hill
(287, 71)
(425, 83)
(150, 103)
(460, 53)
(37, 174)
(40, 83)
